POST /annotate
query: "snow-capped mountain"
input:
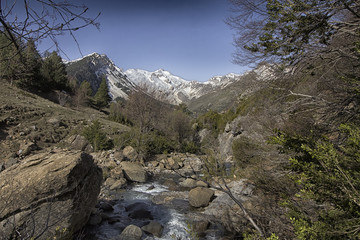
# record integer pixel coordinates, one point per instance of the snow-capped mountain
(164, 86)
(159, 84)
(93, 67)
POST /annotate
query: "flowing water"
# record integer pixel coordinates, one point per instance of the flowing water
(135, 206)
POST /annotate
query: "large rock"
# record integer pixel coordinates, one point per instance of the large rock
(78, 142)
(131, 232)
(130, 153)
(48, 191)
(225, 210)
(188, 183)
(154, 228)
(134, 172)
(200, 197)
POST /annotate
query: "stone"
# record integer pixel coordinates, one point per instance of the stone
(141, 214)
(10, 162)
(109, 181)
(57, 189)
(134, 172)
(118, 184)
(170, 163)
(106, 206)
(130, 153)
(26, 148)
(154, 228)
(224, 209)
(139, 210)
(188, 183)
(131, 232)
(200, 197)
(201, 184)
(117, 173)
(200, 227)
(78, 142)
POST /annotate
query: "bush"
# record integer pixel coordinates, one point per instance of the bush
(97, 137)
(245, 151)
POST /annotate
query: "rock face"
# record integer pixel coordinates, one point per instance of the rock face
(134, 172)
(48, 191)
(200, 197)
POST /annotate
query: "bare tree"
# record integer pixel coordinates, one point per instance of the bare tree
(42, 19)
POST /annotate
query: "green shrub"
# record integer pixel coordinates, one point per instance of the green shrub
(95, 135)
(326, 172)
(190, 147)
(245, 151)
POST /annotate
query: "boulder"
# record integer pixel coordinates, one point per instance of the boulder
(134, 172)
(78, 142)
(130, 153)
(154, 228)
(26, 148)
(170, 163)
(201, 184)
(139, 210)
(57, 189)
(117, 173)
(131, 232)
(118, 184)
(225, 210)
(200, 197)
(188, 183)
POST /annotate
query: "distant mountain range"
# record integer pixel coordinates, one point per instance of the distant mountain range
(160, 84)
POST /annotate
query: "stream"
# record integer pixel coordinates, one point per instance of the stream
(137, 205)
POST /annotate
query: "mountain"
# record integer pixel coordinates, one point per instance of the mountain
(92, 67)
(164, 86)
(216, 93)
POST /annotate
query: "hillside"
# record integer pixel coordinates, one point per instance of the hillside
(29, 120)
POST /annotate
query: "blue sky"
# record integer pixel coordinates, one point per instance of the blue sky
(185, 37)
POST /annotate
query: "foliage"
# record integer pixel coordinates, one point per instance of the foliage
(102, 98)
(32, 60)
(180, 125)
(53, 71)
(289, 30)
(154, 143)
(117, 113)
(190, 147)
(83, 94)
(97, 137)
(245, 151)
(215, 121)
(327, 172)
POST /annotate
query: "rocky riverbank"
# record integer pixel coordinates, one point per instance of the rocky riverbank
(143, 200)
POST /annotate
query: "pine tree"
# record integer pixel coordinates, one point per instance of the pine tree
(54, 73)
(102, 98)
(11, 64)
(31, 76)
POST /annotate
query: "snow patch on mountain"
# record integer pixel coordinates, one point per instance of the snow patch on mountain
(160, 84)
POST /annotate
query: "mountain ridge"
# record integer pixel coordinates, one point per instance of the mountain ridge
(160, 84)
